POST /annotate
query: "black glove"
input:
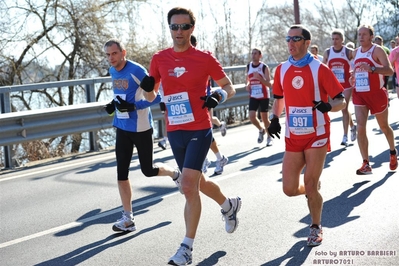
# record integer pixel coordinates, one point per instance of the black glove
(124, 106)
(211, 101)
(147, 83)
(322, 106)
(274, 128)
(110, 107)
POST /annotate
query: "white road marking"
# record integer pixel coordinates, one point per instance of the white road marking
(138, 204)
(33, 172)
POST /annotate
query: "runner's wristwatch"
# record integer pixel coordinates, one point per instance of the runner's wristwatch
(372, 69)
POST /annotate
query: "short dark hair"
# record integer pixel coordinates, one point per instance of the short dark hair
(118, 43)
(305, 32)
(181, 11)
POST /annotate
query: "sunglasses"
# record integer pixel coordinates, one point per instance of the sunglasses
(294, 38)
(176, 27)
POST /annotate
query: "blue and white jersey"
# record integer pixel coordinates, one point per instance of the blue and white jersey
(125, 83)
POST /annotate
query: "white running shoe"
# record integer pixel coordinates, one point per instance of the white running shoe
(230, 217)
(205, 165)
(178, 180)
(269, 141)
(162, 144)
(183, 256)
(344, 141)
(124, 224)
(261, 136)
(220, 164)
(353, 133)
(315, 236)
(223, 128)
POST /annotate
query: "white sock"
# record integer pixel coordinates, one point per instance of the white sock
(176, 174)
(128, 214)
(219, 156)
(188, 241)
(226, 205)
(165, 139)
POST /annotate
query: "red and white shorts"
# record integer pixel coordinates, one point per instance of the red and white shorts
(375, 100)
(299, 145)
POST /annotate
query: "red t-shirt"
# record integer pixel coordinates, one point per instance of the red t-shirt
(300, 86)
(184, 77)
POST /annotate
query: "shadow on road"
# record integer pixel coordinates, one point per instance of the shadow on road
(84, 253)
(337, 211)
(140, 206)
(297, 255)
(213, 259)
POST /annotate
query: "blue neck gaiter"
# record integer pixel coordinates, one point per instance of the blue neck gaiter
(301, 62)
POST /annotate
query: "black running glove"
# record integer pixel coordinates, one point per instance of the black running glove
(211, 101)
(322, 106)
(124, 106)
(274, 128)
(110, 107)
(147, 83)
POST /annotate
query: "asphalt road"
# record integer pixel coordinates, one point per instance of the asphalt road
(61, 212)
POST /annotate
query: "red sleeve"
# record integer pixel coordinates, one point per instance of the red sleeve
(215, 68)
(154, 70)
(277, 87)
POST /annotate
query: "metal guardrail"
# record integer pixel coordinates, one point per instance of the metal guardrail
(25, 126)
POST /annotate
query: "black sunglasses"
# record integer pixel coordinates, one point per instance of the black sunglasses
(176, 27)
(294, 38)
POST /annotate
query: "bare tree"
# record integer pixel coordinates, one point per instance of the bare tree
(56, 40)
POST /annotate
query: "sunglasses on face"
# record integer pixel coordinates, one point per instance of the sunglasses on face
(176, 27)
(294, 38)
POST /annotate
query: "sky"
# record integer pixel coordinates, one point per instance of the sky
(239, 9)
(207, 6)
(156, 23)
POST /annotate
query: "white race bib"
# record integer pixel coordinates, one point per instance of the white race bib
(301, 120)
(339, 74)
(362, 81)
(179, 108)
(256, 91)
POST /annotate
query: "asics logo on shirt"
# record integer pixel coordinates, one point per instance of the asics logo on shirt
(299, 111)
(175, 98)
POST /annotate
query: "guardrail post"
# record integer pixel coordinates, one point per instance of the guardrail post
(93, 136)
(161, 126)
(6, 108)
(7, 157)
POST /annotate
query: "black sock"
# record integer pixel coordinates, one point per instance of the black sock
(393, 152)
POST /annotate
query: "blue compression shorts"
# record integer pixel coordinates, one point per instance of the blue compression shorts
(190, 148)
